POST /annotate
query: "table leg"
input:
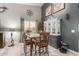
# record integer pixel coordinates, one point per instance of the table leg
(35, 49)
(31, 46)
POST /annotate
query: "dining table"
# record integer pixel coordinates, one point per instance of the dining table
(32, 36)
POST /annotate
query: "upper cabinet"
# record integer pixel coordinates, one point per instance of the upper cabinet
(52, 25)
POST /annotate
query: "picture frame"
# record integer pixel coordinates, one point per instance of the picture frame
(57, 7)
(48, 10)
(54, 8)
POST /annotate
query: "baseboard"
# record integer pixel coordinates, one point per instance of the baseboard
(72, 51)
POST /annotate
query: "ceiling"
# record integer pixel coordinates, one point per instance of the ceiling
(34, 4)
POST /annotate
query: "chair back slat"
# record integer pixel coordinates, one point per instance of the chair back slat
(44, 36)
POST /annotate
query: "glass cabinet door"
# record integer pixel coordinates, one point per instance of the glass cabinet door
(52, 25)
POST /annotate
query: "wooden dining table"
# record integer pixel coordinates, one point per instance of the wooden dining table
(33, 36)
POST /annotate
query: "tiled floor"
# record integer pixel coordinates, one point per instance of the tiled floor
(18, 50)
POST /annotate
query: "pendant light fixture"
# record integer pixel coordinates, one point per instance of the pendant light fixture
(2, 9)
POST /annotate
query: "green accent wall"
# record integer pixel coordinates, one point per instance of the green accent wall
(72, 39)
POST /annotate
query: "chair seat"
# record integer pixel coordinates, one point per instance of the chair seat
(42, 44)
(28, 42)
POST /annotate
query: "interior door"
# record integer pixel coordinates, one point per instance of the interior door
(1, 40)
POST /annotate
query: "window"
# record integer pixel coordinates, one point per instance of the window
(30, 25)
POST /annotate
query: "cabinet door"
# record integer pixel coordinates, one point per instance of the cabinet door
(1, 40)
(53, 41)
(58, 41)
(49, 41)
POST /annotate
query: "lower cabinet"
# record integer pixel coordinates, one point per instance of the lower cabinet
(54, 41)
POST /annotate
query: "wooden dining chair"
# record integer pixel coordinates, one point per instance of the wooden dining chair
(28, 41)
(43, 42)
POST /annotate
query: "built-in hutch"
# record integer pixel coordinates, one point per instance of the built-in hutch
(51, 24)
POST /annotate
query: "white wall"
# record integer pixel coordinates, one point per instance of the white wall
(16, 37)
(11, 17)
